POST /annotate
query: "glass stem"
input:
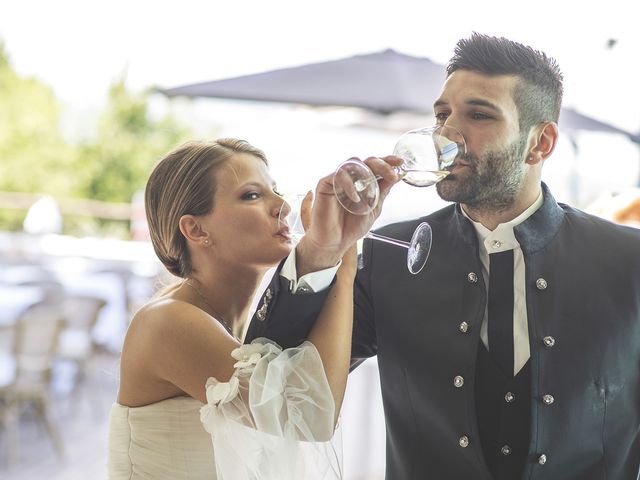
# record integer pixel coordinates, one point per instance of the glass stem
(392, 241)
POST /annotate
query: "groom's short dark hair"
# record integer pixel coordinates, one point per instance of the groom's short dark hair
(538, 95)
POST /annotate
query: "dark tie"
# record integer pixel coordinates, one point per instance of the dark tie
(500, 311)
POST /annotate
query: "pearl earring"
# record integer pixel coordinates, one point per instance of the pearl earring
(206, 242)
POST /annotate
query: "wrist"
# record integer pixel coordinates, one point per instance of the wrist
(312, 258)
(345, 276)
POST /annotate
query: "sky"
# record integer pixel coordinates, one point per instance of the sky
(79, 47)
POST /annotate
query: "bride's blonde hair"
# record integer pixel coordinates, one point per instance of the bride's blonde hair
(183, 183)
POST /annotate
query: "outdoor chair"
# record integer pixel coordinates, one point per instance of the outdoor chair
(25, 374)
(76, 343)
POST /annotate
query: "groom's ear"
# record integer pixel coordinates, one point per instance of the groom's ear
(543, 139)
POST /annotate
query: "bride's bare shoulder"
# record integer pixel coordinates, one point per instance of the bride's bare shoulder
(163, 305)
(167, 313)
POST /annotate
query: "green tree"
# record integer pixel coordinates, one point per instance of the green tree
(34, 155)
(129, 141)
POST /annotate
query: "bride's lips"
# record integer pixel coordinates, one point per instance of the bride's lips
(284, 232)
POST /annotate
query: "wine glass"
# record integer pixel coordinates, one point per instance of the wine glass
(426, 153)
(418, 248)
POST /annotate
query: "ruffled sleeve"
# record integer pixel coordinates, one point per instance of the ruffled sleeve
(274, 418)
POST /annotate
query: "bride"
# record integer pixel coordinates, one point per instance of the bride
(193, 401)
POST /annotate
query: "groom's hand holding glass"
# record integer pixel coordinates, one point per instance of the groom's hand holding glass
(333, 229)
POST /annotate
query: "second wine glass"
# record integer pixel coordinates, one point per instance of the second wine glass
(426, 154)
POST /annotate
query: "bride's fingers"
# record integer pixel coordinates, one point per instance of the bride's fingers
(305, 210)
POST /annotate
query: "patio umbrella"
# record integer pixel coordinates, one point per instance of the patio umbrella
(571, 119)
(383, 82)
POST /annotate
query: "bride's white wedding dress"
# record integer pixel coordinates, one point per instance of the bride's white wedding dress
(272, 420)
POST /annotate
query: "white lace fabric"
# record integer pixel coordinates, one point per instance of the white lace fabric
(273, 420)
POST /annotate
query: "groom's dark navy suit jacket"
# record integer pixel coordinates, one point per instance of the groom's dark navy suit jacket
(589, 306)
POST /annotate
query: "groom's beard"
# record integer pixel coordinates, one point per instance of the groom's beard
(490, 182)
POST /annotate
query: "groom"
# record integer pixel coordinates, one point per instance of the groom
(515, 353)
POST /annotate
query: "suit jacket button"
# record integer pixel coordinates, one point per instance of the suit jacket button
(458, 381)
(541, 284)
(542, 459)
(506, 450)
(472, 277)
(549, 341)
(548, 399)
(464, 441)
